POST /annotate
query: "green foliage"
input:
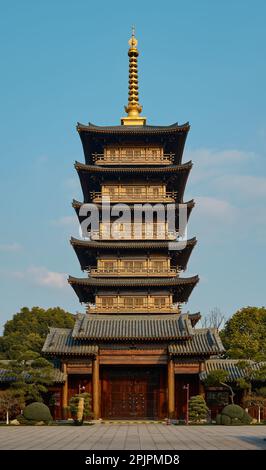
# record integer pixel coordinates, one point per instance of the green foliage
(246, 419)
(219, 419)
(261, 391)
(27, 330)
(233, 415)
(233, 411)
(244, 335)
(198, 409)
(236, 422)
(31, 375)
(74, 402)
(216, 377)
(87, 412)
(225, 420)
(37, 412)
(250, 374)
(260, 374)
(73, 405)
(24, 421)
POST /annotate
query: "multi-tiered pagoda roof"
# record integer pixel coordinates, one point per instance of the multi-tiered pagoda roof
(133, 288)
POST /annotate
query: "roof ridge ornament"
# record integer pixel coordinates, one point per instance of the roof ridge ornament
(133, 108)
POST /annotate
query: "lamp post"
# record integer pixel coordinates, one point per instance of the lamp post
(186, 387)
(81, 389)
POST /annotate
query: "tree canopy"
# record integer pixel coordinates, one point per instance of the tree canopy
(244, 334)
(27, 330)
(29, 376)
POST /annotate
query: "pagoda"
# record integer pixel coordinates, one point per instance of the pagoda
(133, 349)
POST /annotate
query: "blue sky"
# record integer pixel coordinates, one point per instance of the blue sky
(66, 61)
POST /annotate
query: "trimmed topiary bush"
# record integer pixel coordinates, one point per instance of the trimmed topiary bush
(233, 415)
(80, 407)
(37, 412)
(233, 411)
(225, 420)
(236, 422)
(198, 409)
(25, 422)
(218, 419)
(246, 419)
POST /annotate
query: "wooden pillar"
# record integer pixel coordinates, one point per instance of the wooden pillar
(96, 388)
(171, 389)
(65, 392)
(201, 385)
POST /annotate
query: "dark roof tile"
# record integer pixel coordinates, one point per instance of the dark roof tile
(60, 341)
(203, 341)
(131, 327)
(230, 366)
(92, 128)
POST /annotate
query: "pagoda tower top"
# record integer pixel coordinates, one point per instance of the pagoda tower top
(133, 108)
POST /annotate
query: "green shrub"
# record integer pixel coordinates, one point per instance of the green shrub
(233, 411)
(246, 419)
(234, 415)
(37, 412)
(225, 420)
(73, 406)
(198, 409)
(25, 422)
(236, 421)
(261, 391)
(218, 419)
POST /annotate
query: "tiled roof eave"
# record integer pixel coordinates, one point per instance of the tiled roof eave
(205, 341)
(93, 129)
(127, 282)
(190, 204)
(69, 353)
(82, 167)
(230, 366)
(59, 341)
(126, 244)
(131, 338)
(129, 327)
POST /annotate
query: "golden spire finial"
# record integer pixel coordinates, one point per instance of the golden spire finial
(133, 108)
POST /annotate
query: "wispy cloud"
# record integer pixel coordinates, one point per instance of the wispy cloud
(205, 156)
(210, 164)
(243, 185)
(66, 221)
(42, 277)
(222, 190)
(214, 208)
(213, 219)
(9, 247)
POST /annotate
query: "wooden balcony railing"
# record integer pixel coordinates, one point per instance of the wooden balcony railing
(123, 159)
(123, 309)
(134, 196)
(128, 272)
(133, 232)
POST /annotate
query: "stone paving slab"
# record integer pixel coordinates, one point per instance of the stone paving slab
(133, 436)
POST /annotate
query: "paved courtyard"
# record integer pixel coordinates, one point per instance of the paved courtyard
(133, 436)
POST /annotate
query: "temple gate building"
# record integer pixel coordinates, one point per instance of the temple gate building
(133, 349)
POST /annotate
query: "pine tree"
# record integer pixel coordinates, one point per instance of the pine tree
(198, 409)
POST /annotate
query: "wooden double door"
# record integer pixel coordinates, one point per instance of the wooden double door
(131, 392)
